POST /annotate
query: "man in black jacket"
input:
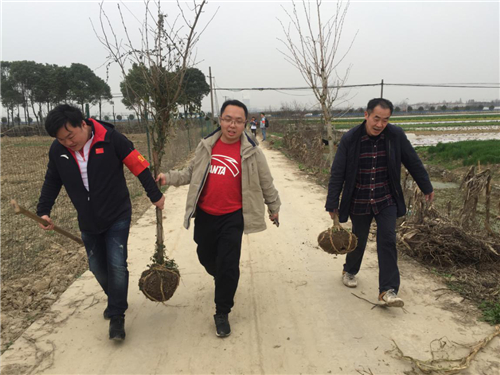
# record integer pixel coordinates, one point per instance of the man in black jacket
(87, 158)
(367, 171)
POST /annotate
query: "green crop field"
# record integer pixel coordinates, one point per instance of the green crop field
(465, 152)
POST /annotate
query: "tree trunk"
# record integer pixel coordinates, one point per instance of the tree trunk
(40, 113)
(26, 113)
(327, 119)
(34, 112)
(159, 255)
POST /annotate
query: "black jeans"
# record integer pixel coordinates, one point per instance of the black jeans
(386, 247)
(219, 250)
(107, 253)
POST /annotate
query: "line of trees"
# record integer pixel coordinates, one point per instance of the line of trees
(34, 89)
(30, 90)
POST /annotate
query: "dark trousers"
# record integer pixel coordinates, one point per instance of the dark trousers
(107, 254)
(219, 250)
(386, 247)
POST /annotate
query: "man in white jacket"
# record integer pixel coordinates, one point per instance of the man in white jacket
(230, 182)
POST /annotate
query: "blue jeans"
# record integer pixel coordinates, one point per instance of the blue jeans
(107, 254)
(386, 247)
(263, 130)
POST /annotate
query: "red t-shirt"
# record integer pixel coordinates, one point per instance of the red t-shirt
(222, 191)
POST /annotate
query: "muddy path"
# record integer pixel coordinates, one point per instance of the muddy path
(292, 312)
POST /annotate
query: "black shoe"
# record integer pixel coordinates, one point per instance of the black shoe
(105, 314)
(117, 328)
(223, 329)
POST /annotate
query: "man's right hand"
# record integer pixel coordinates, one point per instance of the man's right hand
(161, 203)
(333, 213)
(162, 178)
(46, 227)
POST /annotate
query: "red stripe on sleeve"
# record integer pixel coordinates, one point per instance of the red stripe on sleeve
(136, 163)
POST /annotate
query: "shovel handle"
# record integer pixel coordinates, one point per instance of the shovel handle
(20, 210)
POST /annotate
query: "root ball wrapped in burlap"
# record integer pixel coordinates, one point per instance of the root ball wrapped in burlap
(337, 240)
(159, 282)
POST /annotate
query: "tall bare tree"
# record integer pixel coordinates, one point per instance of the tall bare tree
(312, 46)
(164, 53)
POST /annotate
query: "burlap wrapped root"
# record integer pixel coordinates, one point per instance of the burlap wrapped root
(160, 281)
(337, 240)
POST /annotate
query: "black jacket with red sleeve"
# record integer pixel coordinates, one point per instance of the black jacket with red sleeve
(108, 199)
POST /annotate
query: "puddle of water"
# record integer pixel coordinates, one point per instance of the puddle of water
(444, 185)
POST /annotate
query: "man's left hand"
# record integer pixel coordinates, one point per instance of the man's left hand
(274, 218)
(429, 197)
(161, 203)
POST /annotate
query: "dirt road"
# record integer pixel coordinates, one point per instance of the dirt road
(292, 314)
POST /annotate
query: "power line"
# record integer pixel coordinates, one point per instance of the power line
(291, 88)
(468, 86)
(436, 85)
(448, 85)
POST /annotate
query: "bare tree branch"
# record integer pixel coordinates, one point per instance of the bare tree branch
(312, 46)
(160, 62)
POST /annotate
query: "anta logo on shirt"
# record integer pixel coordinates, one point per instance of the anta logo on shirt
(227, 164)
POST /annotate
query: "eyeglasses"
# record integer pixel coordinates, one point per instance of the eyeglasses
(229, 120)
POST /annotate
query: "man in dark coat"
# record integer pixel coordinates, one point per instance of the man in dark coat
(87, 158)
(367, 171)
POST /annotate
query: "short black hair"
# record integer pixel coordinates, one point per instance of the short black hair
(62, 115)
(235, 102)
(384, 103)
(262, 113)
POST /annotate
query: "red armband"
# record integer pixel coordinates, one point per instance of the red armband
(136, 163)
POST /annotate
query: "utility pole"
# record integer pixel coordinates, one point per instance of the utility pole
(211, 93)
(382, 89)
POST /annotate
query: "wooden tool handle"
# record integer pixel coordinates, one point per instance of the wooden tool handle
(20, 210)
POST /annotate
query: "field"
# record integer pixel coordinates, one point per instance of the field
(420, 122)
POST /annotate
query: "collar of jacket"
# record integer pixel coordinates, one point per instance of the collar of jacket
(360, 130)
(102, 130)
(248, 146)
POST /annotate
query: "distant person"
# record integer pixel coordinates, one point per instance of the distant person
(253, 126)
(367, 171)
(226, 202)
(87, 158)
(263, 125)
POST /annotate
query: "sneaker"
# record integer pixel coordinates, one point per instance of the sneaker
(349, 280)
(105, 314)
(223, 329)
(391, 299)
(117, 327)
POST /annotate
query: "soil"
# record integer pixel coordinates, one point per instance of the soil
(158, 283)
(57, 267)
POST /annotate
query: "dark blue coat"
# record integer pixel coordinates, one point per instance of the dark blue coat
(108, 199)
(345, 169)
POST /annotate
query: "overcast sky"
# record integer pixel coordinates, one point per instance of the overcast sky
(398, 41)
